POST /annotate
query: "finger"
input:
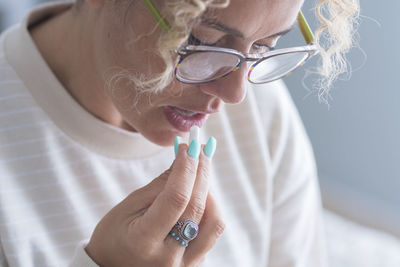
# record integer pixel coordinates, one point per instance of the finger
(196, 206)
(210, 230)
(195, 209)
(169, 205)
(143, 197)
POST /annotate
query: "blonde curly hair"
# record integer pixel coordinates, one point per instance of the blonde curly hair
(334, 38)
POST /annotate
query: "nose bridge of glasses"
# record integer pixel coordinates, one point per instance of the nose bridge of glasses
(251, 58)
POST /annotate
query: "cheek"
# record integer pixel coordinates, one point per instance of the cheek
(132, 62)
(121, 92)
(124, 70)
(121, 87)
(124, 46)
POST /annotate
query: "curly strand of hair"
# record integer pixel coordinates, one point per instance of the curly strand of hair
(334, 38)
(182, 15)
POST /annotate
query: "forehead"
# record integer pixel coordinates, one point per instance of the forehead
(257, 18)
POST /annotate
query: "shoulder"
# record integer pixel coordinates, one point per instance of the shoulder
(9, 80)
(11, 85)
(14, 95)
(20, 116)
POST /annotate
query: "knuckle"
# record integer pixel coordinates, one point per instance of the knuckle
(197, 206)
(185, 166)
(188, 168)
(219, 228)
(204, 171)
(145, 253)
(178, 199)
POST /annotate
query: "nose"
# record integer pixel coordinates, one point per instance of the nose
(231, 89)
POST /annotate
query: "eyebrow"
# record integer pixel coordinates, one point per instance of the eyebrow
(223, 28)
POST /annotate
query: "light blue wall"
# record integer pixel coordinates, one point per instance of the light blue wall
(357, 140)
(12, 11)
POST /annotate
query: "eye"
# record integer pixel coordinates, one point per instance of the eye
(262, 48)
(193, 40)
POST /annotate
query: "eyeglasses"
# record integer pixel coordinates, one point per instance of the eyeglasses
(199, 64)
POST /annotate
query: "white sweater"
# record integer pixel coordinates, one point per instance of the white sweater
(62, 170)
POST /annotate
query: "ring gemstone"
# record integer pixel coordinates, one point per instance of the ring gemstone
(190, 230)
(184, 232)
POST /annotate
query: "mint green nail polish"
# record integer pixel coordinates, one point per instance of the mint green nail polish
(194, 149)
(209, 149)
(176, 144)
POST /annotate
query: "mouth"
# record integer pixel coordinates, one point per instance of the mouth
(184, 112)
(183, 119)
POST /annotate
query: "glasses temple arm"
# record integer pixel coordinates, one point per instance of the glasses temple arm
(164, 25)
(305, 28)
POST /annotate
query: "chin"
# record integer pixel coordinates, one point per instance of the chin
(159, 132)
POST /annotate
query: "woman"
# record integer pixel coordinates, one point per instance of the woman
(90, 108)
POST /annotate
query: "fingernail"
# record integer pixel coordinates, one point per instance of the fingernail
(194, 149)
(210, 147)
(178, 140)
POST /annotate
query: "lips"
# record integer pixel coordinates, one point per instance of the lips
(185, 113)
(183, 119)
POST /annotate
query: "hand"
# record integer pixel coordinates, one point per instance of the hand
(136, 231)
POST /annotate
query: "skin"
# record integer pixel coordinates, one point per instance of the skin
(80, 46)
(98, 37)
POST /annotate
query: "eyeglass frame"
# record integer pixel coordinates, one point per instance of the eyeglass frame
(186, 50)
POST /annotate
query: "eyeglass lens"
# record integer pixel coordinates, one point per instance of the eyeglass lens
(275, 67)
(208, 66)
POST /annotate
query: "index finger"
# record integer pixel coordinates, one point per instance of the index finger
(172, 201)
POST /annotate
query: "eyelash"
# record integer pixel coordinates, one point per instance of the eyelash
(264, 47)
(192, 40)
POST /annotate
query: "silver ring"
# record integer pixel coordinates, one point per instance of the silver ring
(185, 231)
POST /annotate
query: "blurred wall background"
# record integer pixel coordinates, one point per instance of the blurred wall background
(11, 11)
(356, 139)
